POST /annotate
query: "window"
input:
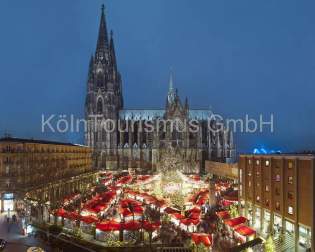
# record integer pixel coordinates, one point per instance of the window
(290, 195)
(290, 165)
(249, 161)
(290, 180)
(249, 183)
(277, 191)
(278, 206)
(99, 106)
(258, 198)
(278, 178)
(7, 170)
(290, 210)
(267, 203)
(267, 163)
(267, 188)
(257, 162)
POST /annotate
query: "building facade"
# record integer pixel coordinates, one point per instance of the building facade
(277, 194)
(131, 144)
(42, 170)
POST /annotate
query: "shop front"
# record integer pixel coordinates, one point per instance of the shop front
(257, 224)
(305, 236)
(7, 202)
(266, 222)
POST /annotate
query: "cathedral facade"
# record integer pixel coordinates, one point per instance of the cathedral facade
(175, 137)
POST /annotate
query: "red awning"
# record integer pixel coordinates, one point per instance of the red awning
(132, 225)
(244, 230)
(108, 226)
(151, 226)
(170, 210)
(178, 216)
(198, 238)
(236, 221)
(124, 180)
(223, 215)
(89, 219)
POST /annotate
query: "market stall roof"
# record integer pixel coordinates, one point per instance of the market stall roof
(151, 226)
(108, 226)
(124, 180)
(198, 238)
(236, 221)
(244, 230)
(171, 210)
(223, 215)
(188, 221)
(89, 219)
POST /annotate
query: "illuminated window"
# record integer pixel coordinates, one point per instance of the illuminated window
(258, 199)
(249, 183)
(249, 161)
(267, 203)
(278, 178)
(267, 188)
(278, 206)
(290, 165)
(290, 180)
(257, 162)
(267, 163)
(290, 210)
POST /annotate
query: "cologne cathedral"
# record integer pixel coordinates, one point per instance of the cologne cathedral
(132, 146)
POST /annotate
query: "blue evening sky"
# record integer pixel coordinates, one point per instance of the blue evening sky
(239, 57)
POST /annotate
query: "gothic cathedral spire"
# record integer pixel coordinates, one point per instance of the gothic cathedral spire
(102, 41)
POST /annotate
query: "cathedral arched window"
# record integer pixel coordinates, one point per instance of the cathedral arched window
(99, 107)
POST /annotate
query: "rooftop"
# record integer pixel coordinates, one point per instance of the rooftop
(35, 141)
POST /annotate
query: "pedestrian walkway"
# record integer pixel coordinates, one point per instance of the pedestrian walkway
(12, 233)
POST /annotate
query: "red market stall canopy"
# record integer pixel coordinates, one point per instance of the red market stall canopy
(224, 215)
(198, 238)
(89, 219)
(60, 212)
(227, 203)
(67, 215)
(193, 213)
(108, 226)
(236, 221)
(188, 221)
(170, 210)
(124, 180)
(151, 226)
(200, 197)
(112, 225)
(100, 202)
(143, 178)
(152, 200)
(244, 230)
(130, 207)
(146, 197)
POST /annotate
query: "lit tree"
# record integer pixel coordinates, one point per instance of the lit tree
(269, 245)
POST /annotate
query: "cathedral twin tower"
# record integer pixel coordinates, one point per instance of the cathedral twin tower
(134, 147)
